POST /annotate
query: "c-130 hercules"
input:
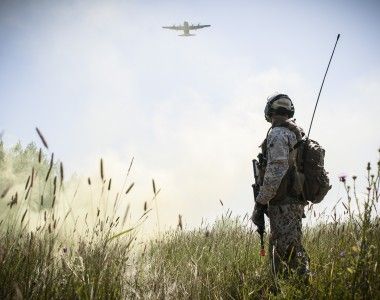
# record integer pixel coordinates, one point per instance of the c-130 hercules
(186, 28)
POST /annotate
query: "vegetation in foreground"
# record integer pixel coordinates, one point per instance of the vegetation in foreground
(103, 261)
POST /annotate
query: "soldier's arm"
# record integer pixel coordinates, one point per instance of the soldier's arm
(277, 165)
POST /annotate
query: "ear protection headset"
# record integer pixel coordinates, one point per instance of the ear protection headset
(269, 110)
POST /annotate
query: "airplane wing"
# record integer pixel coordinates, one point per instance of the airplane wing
(174, 27)
(199, 26)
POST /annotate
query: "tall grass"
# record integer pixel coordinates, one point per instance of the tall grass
(51, 258)
(42, 254)
(222, 262)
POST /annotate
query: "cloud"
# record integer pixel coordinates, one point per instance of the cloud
(106, 83)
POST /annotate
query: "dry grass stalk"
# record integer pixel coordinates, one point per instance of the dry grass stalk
(27, 193)
(130, 166)
(42, 200)
(42, 138)
(109, 184)
(126, 177)
(67, 214)
(145, 206)
(89, 181)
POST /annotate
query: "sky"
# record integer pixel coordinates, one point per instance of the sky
(103, 79)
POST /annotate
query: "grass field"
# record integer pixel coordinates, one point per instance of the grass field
(42, 259)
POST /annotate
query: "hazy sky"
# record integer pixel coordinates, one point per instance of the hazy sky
(103, 79)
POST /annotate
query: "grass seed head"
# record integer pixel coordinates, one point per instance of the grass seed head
(50, 167)
(126, 214)
(13, 201)
(5, 191)
(53, 202)
(180, 226)
(27, 193)
(23, 216)
(129, 188)
(55, 185)
(154, 187)
(61, 172)
(42, 138)
(27, 183)
(32, 177)
(101, 169)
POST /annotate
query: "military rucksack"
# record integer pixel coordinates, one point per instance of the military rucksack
(310, 163)
(310, 177)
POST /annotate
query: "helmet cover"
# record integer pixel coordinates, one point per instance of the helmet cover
(278, 103)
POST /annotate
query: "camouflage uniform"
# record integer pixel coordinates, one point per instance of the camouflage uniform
(284, 211)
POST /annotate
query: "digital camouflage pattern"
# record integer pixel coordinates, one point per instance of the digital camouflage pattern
(285, 242)
(279, 142)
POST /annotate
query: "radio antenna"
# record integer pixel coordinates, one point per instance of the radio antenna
(320, 90)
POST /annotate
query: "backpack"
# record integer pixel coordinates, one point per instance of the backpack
(310, 177)
(310, 161)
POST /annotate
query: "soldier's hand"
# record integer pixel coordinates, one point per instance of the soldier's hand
(261, 207)
(258, 214)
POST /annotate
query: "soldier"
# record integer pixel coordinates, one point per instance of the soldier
(280, 196)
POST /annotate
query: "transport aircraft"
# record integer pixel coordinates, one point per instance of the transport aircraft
(186, 27)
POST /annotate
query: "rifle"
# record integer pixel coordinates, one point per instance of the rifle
(256, 190)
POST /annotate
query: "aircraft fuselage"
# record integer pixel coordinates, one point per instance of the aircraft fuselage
(186, 30)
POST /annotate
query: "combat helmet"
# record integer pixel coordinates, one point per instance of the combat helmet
(278, 103)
